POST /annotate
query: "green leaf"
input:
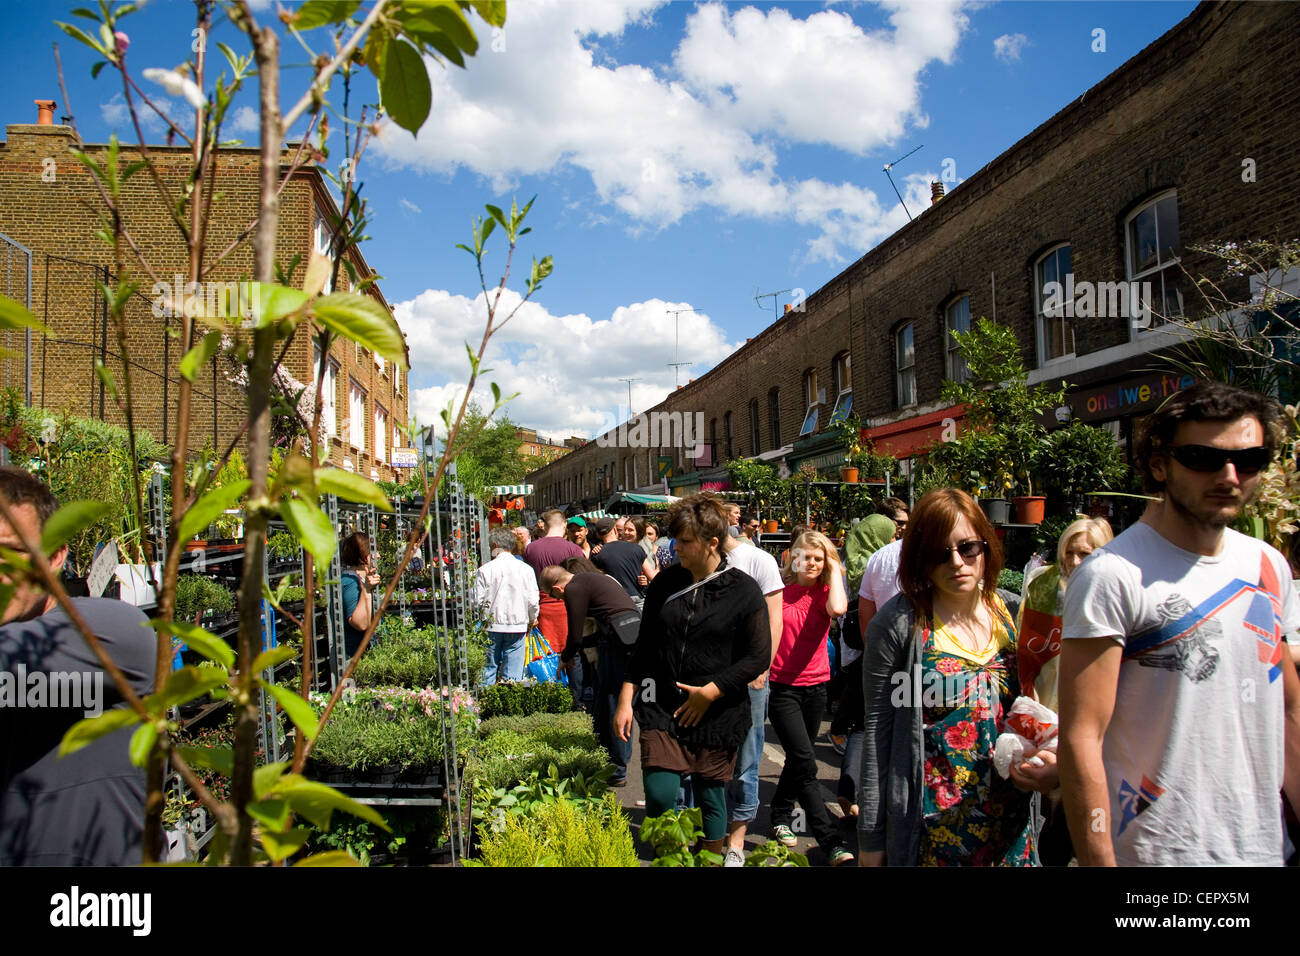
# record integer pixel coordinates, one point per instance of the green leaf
(92, 728)
(364, 321)
(272, 302)
(353, 487)
(317, 13)
(15, 315)
(333, 858)
(219, 759)
(311, 526)
(273, 814)
(105, 375)
(451, 21)
(299, 711)
(78, 34)
(317, 802)
(96, 67)
(142, 742)
(197, 357)
(185, 685)
(493, 11)
(276, 655)
(268, 777)
(213, 503)
(200, 641)
(69, 521)
(404, 87)
(281, 846)
(496, 213)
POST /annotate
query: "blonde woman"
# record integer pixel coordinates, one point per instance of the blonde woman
(801, 672)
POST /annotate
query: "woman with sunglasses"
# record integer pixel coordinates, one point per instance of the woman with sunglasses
(939, 672)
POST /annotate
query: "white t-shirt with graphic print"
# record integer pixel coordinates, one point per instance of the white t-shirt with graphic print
(1194, 751)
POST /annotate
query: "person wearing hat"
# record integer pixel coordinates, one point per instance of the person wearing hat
(576, 531)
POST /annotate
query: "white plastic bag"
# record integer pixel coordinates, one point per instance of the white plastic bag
(1030, 727)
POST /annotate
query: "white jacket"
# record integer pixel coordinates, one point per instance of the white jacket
(506, 589)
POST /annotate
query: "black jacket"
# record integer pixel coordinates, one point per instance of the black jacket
(717, 632)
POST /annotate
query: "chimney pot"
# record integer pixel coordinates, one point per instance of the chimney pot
(788, 307)
(45, 112)
(936, 192)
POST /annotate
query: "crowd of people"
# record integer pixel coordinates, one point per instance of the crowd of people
(1137, 651)
(1148, 679)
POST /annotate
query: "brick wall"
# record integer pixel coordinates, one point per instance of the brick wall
(56, 217)
(1183, 114)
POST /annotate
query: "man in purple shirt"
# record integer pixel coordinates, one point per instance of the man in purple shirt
(541, 554)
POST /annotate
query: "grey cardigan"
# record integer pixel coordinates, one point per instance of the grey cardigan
(893, 746)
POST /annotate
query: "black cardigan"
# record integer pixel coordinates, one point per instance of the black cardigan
(718, 632)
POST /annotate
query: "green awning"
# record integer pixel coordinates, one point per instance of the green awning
(510, 489)
(637, 499)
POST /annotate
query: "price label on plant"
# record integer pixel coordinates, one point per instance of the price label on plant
(101, 569)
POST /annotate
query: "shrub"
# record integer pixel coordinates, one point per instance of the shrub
(1013, 581)
(195, 593)
(560, 833)
(560, 731)
(522, 698)
(498, 770)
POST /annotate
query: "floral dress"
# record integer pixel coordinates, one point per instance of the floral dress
(970, 815)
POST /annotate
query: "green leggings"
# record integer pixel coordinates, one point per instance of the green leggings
(661, 788)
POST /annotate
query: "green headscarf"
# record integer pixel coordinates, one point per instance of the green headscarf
(869, 535)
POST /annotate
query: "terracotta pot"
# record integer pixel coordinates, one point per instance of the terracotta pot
(1029, 509)
(848, 475)
(771, 527)
(200, 545)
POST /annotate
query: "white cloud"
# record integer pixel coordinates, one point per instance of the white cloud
(567, 369)
(245, 120)
(660, 142)
(1008, 46)
(407, 204)
(117, 115)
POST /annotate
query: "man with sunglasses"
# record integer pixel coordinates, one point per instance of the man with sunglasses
(1180, 704)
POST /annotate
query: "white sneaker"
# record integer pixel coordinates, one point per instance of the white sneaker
(733, 858)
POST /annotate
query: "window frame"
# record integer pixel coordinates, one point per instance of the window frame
(812, 403)
(329, 390)
(1161, 267)
(1066, 318)
(355, 387)
(755, 431)
(843, 381)
(951, 355)
(381, 433)
(774, 416)
(905, 398)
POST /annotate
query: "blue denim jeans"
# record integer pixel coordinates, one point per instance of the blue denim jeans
(506, 658)
(610, 666)
(742, 791)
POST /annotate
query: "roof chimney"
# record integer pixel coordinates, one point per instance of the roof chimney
(936, 192)
(788, 307)
(45, 114)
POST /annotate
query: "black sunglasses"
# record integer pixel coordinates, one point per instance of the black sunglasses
(1208, 459)
(969, 551)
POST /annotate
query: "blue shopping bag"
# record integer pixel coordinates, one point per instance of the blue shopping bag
(542, 665)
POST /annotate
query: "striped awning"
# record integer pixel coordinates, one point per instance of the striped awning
(509, 490)
(592, 515)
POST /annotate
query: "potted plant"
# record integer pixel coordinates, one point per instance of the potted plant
(1084, 460)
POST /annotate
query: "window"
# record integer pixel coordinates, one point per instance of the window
(842, 375)
(381, 432)
(329, 390)
(774, 416)
(754, 441)
(1055, 322)
(356, 415)
(321, 233)
(728, 435)
(811, 399)
(956, 318)
(713, 441)
(1152, 236)
(905, 363)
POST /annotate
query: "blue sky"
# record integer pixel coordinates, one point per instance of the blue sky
(683, 155)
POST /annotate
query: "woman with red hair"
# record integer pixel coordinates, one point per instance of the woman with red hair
(939, 674)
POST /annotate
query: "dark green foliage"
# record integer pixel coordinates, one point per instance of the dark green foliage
(673, 834)
(195, 593)
(1011, 580)
(519, 699)
(403, 656)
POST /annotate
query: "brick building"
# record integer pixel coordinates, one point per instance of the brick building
(1187, 143)
(49, 206)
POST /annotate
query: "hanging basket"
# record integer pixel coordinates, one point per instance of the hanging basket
(1029, 509)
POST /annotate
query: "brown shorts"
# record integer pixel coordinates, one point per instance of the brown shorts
(662, 751)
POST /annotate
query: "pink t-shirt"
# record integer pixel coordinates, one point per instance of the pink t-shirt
(801, 659)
